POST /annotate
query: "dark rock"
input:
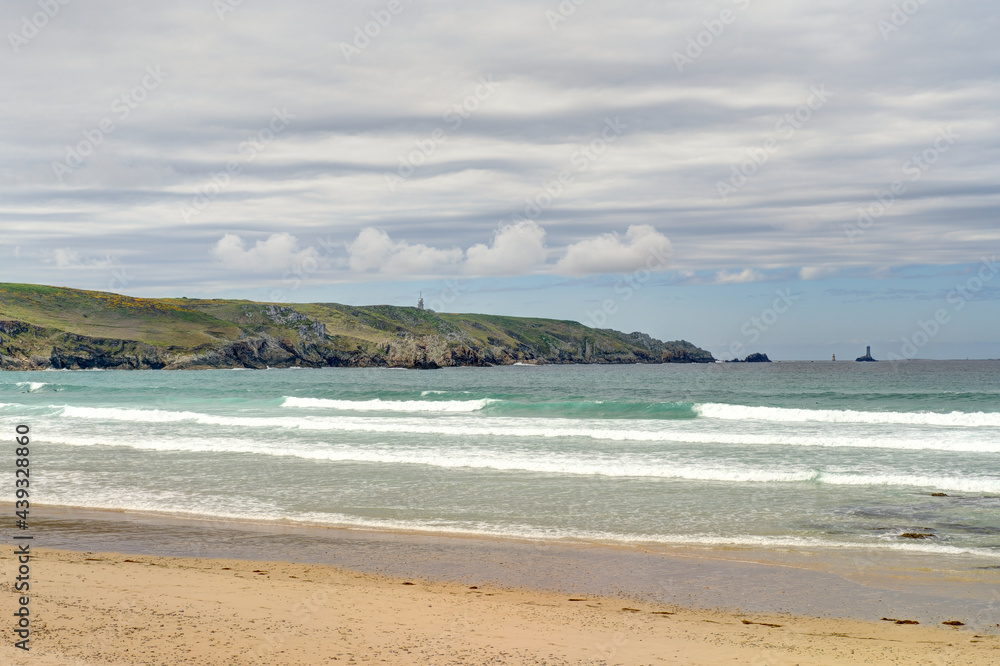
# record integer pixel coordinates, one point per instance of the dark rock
(939, 495)
(915, 535)
(22, 343)
(752, 358)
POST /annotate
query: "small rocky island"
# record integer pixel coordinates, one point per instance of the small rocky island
(752, 358)
(868, 356)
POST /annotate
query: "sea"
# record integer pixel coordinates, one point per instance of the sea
(807, 456)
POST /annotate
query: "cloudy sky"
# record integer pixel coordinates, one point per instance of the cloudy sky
(752, 175)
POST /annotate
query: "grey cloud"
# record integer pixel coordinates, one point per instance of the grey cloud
(323, 176)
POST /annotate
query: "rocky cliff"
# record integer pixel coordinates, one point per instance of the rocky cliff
(48, 327)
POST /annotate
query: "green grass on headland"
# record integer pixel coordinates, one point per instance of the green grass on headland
(76, 328)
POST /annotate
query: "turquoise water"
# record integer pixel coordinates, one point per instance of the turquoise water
(784, 455)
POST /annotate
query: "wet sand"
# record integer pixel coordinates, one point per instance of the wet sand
(190, 593)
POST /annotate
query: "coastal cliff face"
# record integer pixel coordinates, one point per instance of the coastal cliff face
(47, 327)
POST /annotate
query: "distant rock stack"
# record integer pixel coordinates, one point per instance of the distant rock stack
(867, 356)
(752, 358)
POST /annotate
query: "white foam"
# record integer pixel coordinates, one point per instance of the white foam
(157, 504)
(963, 484)
(379, 405)
(650, 431)
(618, 466)
(782, 414)
(453, 459)
(809, 543)
(32, 386)
(119, 414)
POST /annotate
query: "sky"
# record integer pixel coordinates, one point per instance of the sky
(799, 179)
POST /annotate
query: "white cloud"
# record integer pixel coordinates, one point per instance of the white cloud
(517, 249)
(381, 114)
(642, 247)
(374, 250)
(816, 272)
(69, 258)
(370, 250)
(746, 275)
(279, 252)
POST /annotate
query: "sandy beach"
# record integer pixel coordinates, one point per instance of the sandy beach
(113, 608)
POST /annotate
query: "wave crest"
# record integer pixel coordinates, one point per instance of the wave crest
(791, 415)
(379, 405)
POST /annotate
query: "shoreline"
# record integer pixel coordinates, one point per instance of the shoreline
(819, 556)
(518, 363)
(858, 586)
(119, 608)
(537, 363)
